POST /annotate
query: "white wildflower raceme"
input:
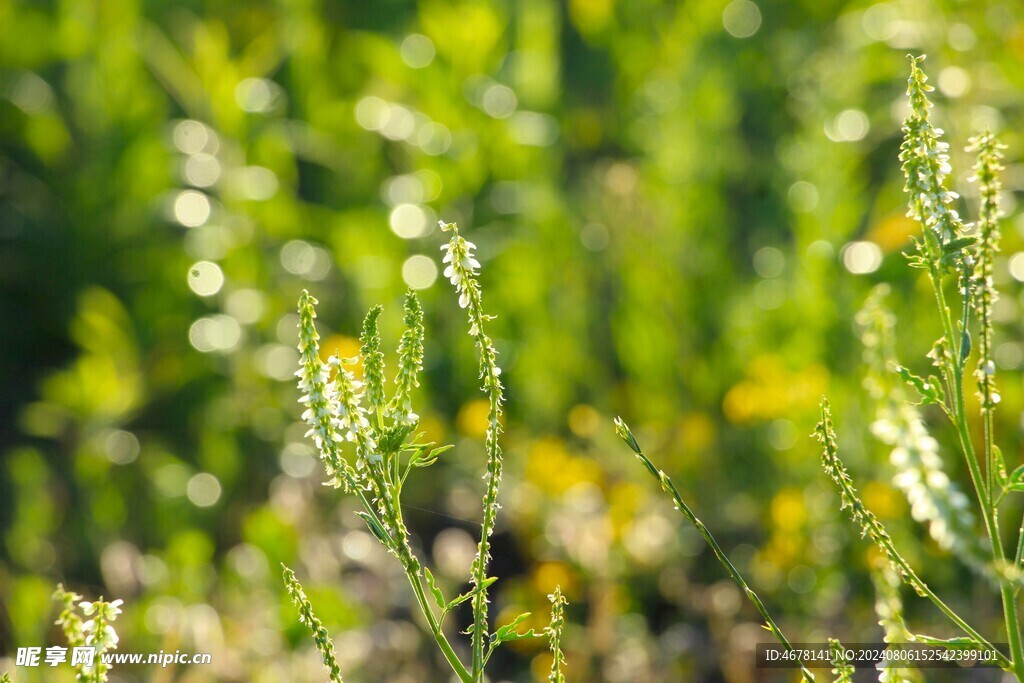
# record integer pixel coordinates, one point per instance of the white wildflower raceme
(97, 631)
(352, 418)
(340, 410)
(334, 412)
(319, 393)
(461, 272)
(934, 499)
(925, 158)
(462, 267)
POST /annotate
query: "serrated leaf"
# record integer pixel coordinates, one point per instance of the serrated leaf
(929, 390)
(434, 590)
(511, 637)
(503, 633)
(468, 594)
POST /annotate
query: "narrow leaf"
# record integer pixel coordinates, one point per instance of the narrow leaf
(376, 529)
(434, 590)
(961, 642)
(468, 594)
(955, 246)
(1000, 467)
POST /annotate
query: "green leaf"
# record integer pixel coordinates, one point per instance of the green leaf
(929, 389)
(393, 437)
(513, 636)
(954, 643)
(1015, 482)
(1000, 467)
(507, 632)
(421, 460)
(376, 529)
(434, 452)
(434, 590)
(965, 345)
(957, 245)
(468, 594)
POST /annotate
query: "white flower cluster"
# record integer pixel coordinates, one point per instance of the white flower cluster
(927, 183)
(462, 266)
(351, 415)
(98, 631)
(934, 499)
(925, 159)
(320, 396)
(331, 396)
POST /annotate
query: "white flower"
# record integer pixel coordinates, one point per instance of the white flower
(114, 609)
(110, 638)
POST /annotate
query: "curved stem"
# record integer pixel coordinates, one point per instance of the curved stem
(670, 488)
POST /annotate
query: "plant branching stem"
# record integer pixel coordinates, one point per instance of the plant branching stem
(416, 581)
(989, 513)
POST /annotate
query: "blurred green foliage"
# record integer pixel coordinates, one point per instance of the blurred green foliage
(678, 206)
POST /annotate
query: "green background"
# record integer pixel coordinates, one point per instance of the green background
(663, 195)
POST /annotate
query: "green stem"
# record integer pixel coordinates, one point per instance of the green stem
(991, 518)
(670, 488)
(421, 600)
(1020, 545)
(983, 492)
(463, 275)
(435, 628)
(490, 512)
